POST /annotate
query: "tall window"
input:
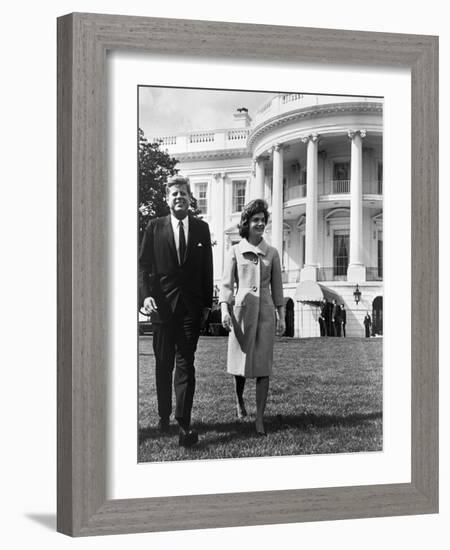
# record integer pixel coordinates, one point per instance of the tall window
(340, 252)
(238, 195)
(201, 190)
(380, 254)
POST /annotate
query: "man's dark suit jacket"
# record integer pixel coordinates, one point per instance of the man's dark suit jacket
(336, 315)
(161, 276)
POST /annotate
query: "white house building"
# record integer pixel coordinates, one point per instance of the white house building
(318, 161)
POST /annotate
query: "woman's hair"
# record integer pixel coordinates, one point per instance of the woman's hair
(254, 207)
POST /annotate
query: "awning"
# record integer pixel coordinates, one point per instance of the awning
(310, 291)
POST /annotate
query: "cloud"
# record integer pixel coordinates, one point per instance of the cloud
(167, 111)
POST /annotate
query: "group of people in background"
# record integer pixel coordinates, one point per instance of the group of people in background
(332, 319)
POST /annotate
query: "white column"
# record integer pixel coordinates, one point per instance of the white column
(309, 271)
(219, 222)
(260, 175)
(268, 191)
(356, 269)
(277, 200)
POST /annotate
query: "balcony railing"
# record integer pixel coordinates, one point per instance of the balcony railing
(337, 273)
(374, 273)
(166, 140)
(340, 186)
(295, 192)
(208, 140)
(238, 134)
(289, 98)
(201, 137)
(290, 276)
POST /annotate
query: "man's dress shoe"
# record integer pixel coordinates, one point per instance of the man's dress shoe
(187, 438)
(164, 425)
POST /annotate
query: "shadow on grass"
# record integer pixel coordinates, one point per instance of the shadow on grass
(273, 423)
(305, 420)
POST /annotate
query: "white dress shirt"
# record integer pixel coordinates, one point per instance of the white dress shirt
(176, 232)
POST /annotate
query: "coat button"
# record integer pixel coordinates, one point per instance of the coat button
(254, 288)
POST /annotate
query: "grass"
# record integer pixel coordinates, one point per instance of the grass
(325, 396)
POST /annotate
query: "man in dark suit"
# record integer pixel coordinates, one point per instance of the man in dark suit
(344, 319)
(336, 316)
(176, 288)
(322, 319)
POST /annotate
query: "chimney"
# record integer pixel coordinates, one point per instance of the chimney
(242, 118)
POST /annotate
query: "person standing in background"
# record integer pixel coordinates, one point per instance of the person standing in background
(343, 319)
(336, 318)
(367, 324)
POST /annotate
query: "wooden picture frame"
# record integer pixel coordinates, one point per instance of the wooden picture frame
(83, 41)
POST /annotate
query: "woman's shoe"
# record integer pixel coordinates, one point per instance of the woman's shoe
(260, 432)
(241, 411)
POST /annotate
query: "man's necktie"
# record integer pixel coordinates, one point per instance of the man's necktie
(182, 242)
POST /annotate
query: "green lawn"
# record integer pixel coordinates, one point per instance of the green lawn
(325, 396)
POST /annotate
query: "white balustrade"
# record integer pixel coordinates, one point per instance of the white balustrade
(201, 137)
(238, 135)
(340, 186)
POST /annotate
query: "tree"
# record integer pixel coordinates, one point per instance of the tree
(155, 168)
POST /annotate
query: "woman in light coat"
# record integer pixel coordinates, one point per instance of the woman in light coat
(258, 310)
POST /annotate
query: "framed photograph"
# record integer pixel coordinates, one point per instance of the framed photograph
(227, 144)
(332, 158)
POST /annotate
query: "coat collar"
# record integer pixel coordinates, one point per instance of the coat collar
(245, 246)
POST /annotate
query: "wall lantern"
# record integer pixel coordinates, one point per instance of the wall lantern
(357, 295)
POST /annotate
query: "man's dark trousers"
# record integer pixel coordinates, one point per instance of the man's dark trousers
(175, 341)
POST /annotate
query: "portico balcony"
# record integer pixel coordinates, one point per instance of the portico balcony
(334, 273)
(325, 274)
(332, 187)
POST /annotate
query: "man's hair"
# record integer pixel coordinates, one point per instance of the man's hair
(178, 180)
(254, 207)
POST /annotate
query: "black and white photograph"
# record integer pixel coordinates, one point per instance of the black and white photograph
(260, 238)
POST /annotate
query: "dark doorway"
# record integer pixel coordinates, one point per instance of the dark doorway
(377, 315)
(289, 318)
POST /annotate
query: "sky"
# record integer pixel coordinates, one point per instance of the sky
(168, 111)
(165, 111)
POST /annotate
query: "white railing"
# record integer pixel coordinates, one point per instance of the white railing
(201, 137)
(284, 103)
(238, 134)
(340, 186)
(296, 192)
(289, 98)
(207, 140)
(265, 107)
(166, 140)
